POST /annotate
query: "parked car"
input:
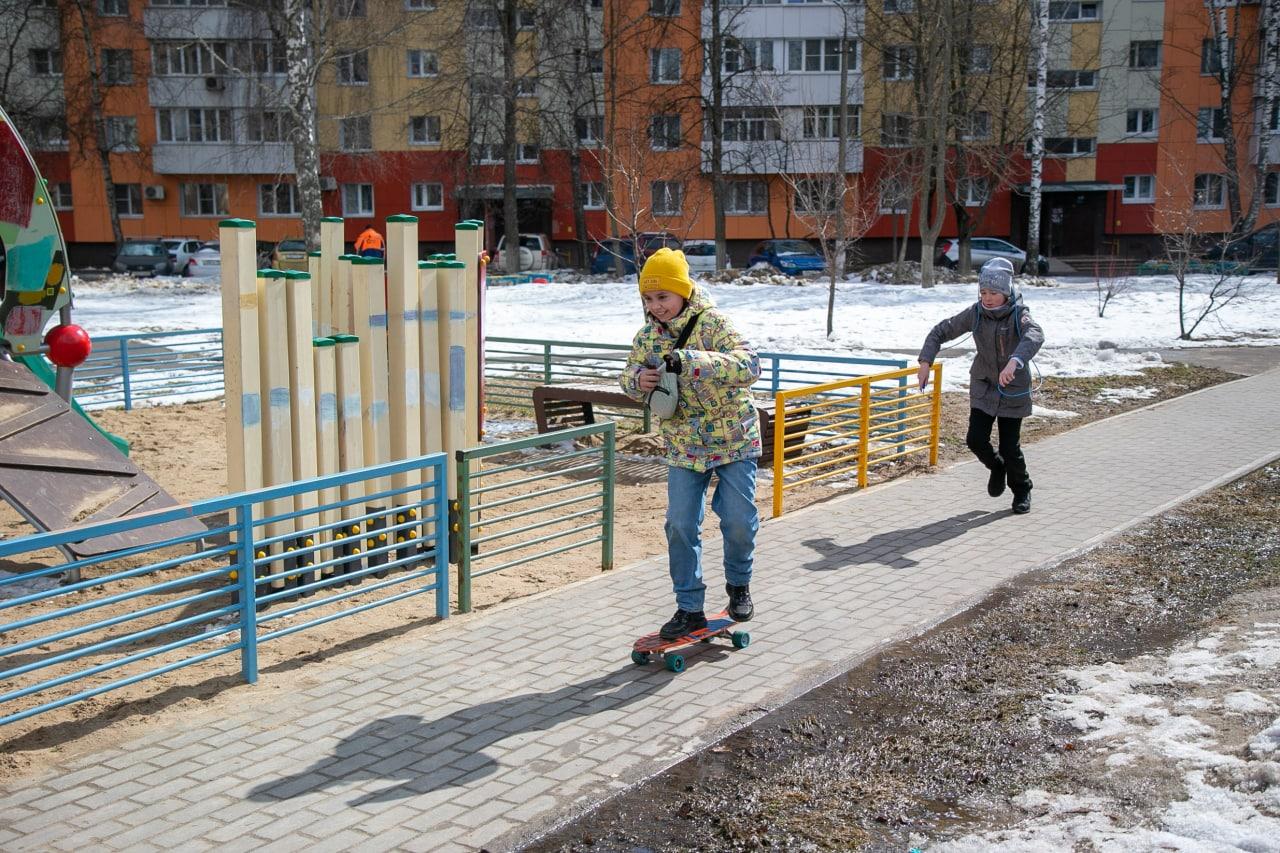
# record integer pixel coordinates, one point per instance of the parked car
(606, 254)
(1257, 251)
(536, 253)
(701, 255)
(648, 242)
(983, 249)
(180, 251)
(789, 256)
(206, 262)
(290, 254)
(142, 257)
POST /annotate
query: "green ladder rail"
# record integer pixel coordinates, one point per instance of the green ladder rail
(44, 371)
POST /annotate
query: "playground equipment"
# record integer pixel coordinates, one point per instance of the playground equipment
(56, 468)
(357, 363)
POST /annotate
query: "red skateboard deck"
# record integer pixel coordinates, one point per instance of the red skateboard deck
(719, 625)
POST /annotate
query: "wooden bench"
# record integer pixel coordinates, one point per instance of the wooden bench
(573, 404)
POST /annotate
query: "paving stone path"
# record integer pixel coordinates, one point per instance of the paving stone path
(483, 731)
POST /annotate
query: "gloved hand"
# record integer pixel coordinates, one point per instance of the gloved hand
(673, 363)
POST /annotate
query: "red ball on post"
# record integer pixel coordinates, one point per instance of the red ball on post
(69, 345)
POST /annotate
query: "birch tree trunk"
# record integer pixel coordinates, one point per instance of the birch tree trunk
(300, 53)
(1040, 46)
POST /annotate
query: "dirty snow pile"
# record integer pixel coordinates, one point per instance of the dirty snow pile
(1197, 728)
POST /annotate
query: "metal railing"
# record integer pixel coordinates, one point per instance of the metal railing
(124, 370)
(505, 511)
(841, 428)
(154, 608)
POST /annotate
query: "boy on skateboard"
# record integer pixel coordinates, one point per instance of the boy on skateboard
(1006, 339)
(713, 429)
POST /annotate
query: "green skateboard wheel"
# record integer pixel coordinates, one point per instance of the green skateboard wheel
(640, 658)
(741, 639)
(675, 663)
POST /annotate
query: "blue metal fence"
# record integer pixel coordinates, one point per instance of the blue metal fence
(130, 369)
(263, 563)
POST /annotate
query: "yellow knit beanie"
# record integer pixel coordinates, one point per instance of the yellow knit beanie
(666, 269)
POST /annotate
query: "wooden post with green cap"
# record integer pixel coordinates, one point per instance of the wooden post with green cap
(325, 365)
(302, 411)
(237, 239)
(330, 250)
(277, 417)
(350, 444)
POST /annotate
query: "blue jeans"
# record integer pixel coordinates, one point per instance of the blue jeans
(734, 502)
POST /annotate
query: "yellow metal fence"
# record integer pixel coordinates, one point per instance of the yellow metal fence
(821, 432)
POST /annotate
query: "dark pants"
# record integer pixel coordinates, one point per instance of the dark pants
(371, 253)
(1010, 452)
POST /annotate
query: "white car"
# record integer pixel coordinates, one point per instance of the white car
(701, 255)
(180, 251)
(206, 262)
(536, 253)
(983, 249)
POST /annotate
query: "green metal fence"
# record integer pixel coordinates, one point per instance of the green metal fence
(513, 508)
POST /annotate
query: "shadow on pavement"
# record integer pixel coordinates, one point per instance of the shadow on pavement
(891, 549)
(450, 746)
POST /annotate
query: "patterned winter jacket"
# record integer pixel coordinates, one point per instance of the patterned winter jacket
(715, 422)
(998, 335)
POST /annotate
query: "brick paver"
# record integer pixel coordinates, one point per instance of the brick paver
(456, 736)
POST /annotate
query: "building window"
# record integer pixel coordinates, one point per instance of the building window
(420, 5)
(824, 122)
(423, 63)
(817, 195)
(185, 59)
(122, 133)
(1072, 11)
(977, 59)
(899, 62)
(1208, 193)
(60, 195)
(975, 192)
(895, 129)
(664, 8)
(1144, 54)
(193, 125)
(746, 198)
(211, 3)
(664, 132)
(355, 133)
(266, 126)
(113, 7)
(895, 196)
(424, 196)
(747, 55)
(527, 152)
(977, 125)
(1139, 189)
(750, 124)
(1211, 56)
(589, 61)
(899, 7)
(487, 152)
(526, 19)
(824, 54)
(348, 9)
(1140, 122)
(664, 65)
(589, 130)
(1067, 146)
(117, 67)
(269, 58)
(357, 199)
(424, 130)
(1067, 79)
(526, 87)
(667, 197)
(128, 199)
(278, 200)
(48, 133)
(482, 18)
(203, 199)
(1210, 122)
(1270, 190)
(353, 68)
(46, 62)
(593, 195)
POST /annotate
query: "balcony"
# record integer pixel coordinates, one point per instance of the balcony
(784, 157)
(222, 90)
(222, 158)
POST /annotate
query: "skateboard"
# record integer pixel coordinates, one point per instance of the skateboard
(719, 625)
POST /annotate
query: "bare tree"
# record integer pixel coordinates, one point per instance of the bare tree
(1109, 281)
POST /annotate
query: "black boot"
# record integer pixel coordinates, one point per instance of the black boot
(1021, 503)
(995, 482)
(684, 622)
(740, 607)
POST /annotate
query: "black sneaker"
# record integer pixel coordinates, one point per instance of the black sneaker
(1022, 503)
(740, 606)
(684, 622)
(995, 483)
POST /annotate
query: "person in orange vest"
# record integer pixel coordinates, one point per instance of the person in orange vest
(369, 244)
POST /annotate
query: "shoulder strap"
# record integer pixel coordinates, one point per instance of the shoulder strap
(686, 331)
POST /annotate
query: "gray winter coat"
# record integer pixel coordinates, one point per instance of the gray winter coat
(997, 338)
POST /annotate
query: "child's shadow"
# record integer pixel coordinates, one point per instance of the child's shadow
(455, 739)
(891, 549)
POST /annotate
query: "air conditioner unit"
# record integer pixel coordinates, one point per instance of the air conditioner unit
(214, 84)
(153, 192)
(328, 183)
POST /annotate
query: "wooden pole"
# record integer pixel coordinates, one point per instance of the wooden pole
(341, 314)
(350, 442)
(238, 242)
(325, 362)
(330, 250)
(429, 341)
(468, 238)
(404, 395)
(302, 380)
(453, 363)
(277, 445)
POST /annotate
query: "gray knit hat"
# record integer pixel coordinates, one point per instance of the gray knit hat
(996, 274)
